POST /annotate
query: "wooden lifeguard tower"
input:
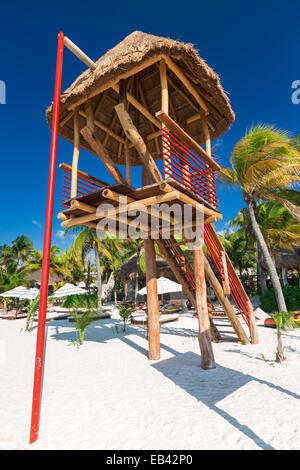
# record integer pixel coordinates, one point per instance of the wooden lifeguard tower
(152, 102)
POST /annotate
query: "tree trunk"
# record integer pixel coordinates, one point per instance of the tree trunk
(204, 338)
(136, 276)
(284, 277)
(99, 278)
(266, 254)
(87, 283)
(280, 357)
(260, 272)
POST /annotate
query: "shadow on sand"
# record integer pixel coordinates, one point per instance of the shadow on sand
(183, 369)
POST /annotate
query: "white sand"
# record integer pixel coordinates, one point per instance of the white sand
(108, 395)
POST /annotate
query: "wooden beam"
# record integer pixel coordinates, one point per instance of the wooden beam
(207, 355)
(83, 206)
(100, 102)
(89, 115)
(99, 89)
(186, 82)
(187, 140)
(75, 156)
(114, 196)
(142, 95)
(110, 128)
(152, 301)
(66, 119)
(134, 136)
(131, 99)
(79, 53)
(83, 175)
(224, 301)
(127, 161)
(98, 148)
(62, 216)
(104, 128)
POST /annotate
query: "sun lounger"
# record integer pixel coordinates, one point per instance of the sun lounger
(141, 319)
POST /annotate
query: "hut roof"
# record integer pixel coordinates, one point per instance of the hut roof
(127, 271)
(288, 259)
(134, 50)
(36, 276)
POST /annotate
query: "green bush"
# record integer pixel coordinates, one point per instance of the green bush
(81, 301)
(291, 296)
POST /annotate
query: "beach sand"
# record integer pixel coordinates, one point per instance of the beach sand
(108, 395)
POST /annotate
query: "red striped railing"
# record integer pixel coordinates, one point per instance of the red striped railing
(214, 247)
(85, 184)
(188, 169)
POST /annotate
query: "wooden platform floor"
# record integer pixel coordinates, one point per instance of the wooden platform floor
(90, 201)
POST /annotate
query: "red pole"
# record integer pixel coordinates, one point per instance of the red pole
(40, 342)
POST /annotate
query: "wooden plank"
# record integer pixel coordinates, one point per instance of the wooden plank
(207, 355)
(152, 301)
(138, 142)
(98, 148)
(186, 139)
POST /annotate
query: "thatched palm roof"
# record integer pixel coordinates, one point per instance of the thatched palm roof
(127, 271)
(288, 259)
(36, 276)
(134, 50)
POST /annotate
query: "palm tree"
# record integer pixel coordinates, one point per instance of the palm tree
(280, 231)
(265, 161)
(21, 248)
(57, 264)
(86, 241)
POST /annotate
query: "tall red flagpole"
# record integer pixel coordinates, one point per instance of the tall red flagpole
(40, 342)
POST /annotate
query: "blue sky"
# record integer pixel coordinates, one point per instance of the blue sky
(253, 46)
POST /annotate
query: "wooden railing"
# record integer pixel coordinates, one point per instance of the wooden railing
(85, 183)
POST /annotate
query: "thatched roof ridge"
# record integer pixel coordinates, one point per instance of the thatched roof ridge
(132, 51)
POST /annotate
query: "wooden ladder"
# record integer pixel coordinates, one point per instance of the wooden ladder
(181, 264)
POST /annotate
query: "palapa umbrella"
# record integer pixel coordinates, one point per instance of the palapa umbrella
(164, 286)
(19, 292)
(66, 290)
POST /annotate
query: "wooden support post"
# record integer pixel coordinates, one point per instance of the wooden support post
(75, 156)
(236, 325)
(152, 300)
(207, 355)
(127, 158)
(138, 142)
(98, 148)
(164, 105)
(204, 123)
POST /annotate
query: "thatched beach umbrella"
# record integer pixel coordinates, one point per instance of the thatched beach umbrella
(139, 53)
